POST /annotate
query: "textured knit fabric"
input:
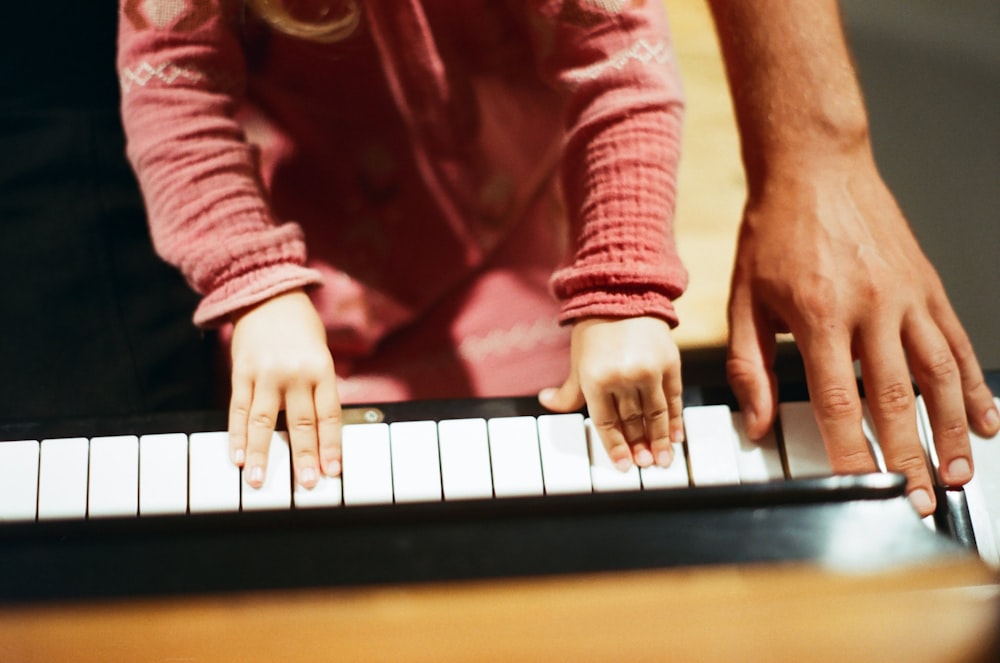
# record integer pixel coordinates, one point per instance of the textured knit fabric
(444, 148)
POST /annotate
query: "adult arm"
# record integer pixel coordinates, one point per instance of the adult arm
(825, 253)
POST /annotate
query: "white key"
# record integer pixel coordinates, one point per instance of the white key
(875, 448)
(562, 441)
(465, 459)
(367, 463)
(514, 456)
(276, 491)
(758, 460)
(214, 481)
(983, 495)
(114, 476)
(712, 443)
(416, 466)
(328, 491)
(868, 428)
(604, 476)
(18, 480)
(804, 448)
(62, 478)
(975, 499)
(926, 436)
(675, 476)
(163, 474)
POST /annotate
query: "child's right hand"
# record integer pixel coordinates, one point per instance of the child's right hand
(281, 361)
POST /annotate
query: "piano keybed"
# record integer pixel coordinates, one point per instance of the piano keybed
(57, 485)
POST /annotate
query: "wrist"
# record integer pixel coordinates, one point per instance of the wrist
(807, 160)
(803, 150)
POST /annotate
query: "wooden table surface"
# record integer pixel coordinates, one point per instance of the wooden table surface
(946, 611)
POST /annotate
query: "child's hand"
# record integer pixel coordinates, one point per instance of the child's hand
(629, 372)
(281, 361)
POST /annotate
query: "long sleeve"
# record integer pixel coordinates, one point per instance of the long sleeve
(620, 160)
(182, 73)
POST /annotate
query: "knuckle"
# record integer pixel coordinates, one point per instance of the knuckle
(302, 423)
(853, 461)
(740, 371)
(975, 384)
(838, 403)
(895, 398)
(657, 413)
(262, 420)
(606, 424)
(239, 410)
(332, 417)
(939, 367)
(954, 430)
(304, 453)
(912, 464)
(631, 417)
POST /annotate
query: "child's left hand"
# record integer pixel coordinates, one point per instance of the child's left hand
(628, 371)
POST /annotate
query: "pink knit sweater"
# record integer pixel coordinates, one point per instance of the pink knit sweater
(406, 154)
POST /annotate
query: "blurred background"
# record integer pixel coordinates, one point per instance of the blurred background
(931, 76)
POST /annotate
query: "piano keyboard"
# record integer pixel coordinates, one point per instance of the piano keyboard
(401, 459)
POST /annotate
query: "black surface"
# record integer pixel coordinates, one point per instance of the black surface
(852, 523)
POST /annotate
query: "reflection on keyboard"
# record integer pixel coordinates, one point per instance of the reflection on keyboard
(410, 459)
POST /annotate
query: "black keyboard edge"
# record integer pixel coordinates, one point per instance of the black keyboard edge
(715, 393)
(519, 537)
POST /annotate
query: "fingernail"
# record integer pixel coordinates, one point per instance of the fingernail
(749, 417)
(333, 468)
(677, 436)
(308, 476)
(664, 458)
(256, 474)
(644, 458)
(992, 418)
(239, 456)
(920, 500)
(959, 470)
(624, 465)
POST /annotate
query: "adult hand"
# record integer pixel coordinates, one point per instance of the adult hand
(281, 361)
(825, 253)
(628, 371)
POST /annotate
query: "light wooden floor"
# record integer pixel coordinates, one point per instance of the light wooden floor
(711, 186)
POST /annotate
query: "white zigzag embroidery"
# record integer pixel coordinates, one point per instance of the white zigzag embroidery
(522, 336)
(641, 51)
(167, 73)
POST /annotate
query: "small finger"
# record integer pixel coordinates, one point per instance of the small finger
(981, 410)
(603, 412)
(750, 356)
(260, 428)
(300, 416)
(239, 413)
(329, 423)
(632, 421)
(675, 406)
(892, 403)
(937, 374)
(656, 412)
(836, 403)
